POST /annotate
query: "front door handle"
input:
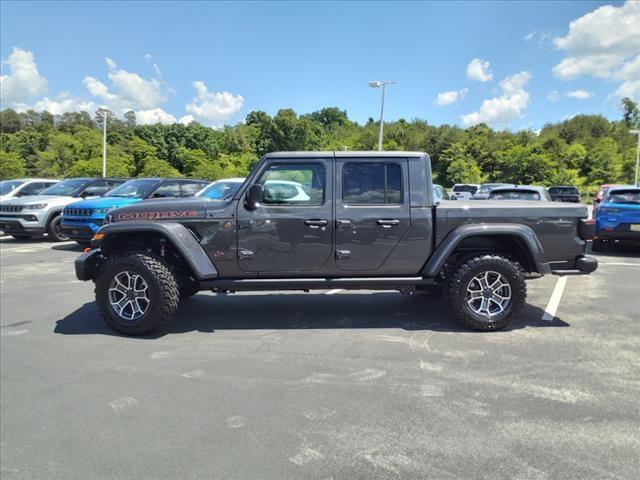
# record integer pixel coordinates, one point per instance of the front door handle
(316, 223)
(385, 223)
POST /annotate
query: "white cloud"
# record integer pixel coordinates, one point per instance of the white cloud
(129, 91)
(153, 116)
(213, 108)
(186, 120)
(452, 96)
(479, 70)
(64, 103)
(580, 94)
(553, 96)
(24, 81)
(529, 36)
(603, 43)
(500, 111)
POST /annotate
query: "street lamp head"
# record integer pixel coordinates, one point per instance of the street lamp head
(375, 84)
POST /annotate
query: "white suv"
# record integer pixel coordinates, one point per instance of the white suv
(21, 187)
(32, 215)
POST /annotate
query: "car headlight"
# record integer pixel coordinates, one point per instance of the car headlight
(35, 206)
(102, 211)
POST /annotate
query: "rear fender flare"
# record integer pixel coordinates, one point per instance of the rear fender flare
(176, 233)
(452, 240)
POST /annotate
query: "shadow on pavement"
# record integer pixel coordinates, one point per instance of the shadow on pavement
(69, 247)
(618, 249)
(205, 313)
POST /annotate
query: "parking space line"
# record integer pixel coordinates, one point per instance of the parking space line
(334, 291)
(554, 301)
(621, 264)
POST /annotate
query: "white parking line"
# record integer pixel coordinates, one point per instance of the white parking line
(621, 264)
(554, 301)
(334, 291)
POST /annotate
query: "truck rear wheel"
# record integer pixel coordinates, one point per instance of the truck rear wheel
(486, 292)
(136, 294)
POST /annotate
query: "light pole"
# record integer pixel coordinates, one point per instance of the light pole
(105, 115)
(383, 84)
(636, 132)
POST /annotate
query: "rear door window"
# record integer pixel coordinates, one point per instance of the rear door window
(372, 184)
(167, 190)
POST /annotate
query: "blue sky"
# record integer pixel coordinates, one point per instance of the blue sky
(305, 56)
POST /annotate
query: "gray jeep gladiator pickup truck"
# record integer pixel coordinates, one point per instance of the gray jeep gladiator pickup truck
(325, 220)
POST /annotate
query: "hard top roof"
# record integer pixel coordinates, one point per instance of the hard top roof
(343, 154)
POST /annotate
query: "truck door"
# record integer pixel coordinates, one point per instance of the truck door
(372, 211)
(292, 228)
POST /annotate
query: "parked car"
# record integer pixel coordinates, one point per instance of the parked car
(565, 193)
(602, 192)
(463, 191)
(439, 193)
(485, 189)
(521, 192)
(25, 217)
(618, 216)
(22, 187)
(367, 221)
(221, 189)
(81, 220)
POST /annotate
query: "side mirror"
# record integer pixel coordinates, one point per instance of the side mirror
(453, 198)
(84, 194)
(254, 196)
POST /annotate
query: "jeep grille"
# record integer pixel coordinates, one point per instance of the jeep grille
(77, 212)
(10, 208)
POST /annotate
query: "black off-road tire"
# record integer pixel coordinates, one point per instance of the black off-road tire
(597, 245)
(22, 237)
(164, 294)
(462, 277)
(55, 232)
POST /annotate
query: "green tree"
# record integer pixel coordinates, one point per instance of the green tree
(603, 163)
(11, 165)
(631, 113)
(159, 168)
(461, 167)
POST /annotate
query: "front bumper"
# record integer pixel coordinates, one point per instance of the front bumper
(582, 265)
(81, 231)
(19, 228)
(87, 265)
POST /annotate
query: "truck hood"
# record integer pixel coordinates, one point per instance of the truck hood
(105, 202)
(35, 199)
(456, 209)
(175, 209)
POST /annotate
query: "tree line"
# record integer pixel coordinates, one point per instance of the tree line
(584, 151)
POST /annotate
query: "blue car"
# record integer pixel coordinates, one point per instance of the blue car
(81, 220)
(618, 216)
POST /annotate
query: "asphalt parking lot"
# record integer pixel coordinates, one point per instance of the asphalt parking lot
(325, 385)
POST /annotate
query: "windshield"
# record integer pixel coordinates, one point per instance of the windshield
(220, 190)
(624, 196)
(465, 188)
(65, 188)
(134, 189)
(8, 186)
(515, 195)
(563, 190)
(486, 188)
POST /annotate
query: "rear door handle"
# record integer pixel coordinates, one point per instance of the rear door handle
(316, 223)
(387, 223)
(343, 223)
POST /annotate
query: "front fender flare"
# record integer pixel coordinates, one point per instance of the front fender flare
(176, 233)
(453, 239)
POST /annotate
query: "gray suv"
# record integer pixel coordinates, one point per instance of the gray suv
(34, 215)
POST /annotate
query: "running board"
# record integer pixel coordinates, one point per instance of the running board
(358, 283)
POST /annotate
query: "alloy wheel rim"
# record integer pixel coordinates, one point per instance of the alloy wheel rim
(129, 295)
(488, 294)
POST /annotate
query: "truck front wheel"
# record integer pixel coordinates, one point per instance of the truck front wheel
(486, 292)
(136, 294)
